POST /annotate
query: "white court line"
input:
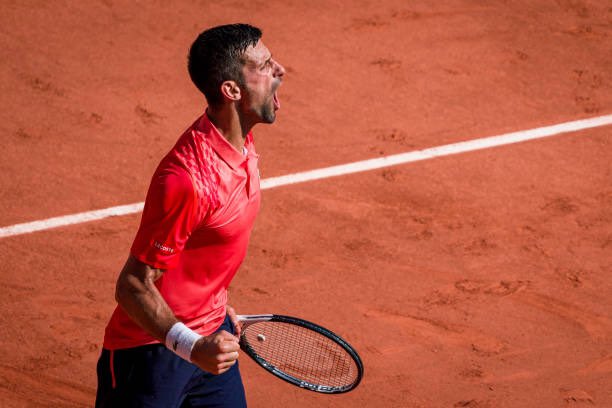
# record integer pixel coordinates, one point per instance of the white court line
(355, 167)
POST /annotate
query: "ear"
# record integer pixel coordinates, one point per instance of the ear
(231, 90)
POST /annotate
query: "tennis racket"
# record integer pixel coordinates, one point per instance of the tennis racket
(301, 353)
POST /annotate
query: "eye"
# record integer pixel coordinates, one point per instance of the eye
(266, 66)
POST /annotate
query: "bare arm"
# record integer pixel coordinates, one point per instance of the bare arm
(138, 296)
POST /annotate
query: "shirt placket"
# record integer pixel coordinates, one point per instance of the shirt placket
(252, 174)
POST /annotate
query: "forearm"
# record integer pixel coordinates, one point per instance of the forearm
(138, 296)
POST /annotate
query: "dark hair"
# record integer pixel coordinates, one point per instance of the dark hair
(217, 56)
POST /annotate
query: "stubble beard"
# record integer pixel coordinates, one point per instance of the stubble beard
(268, 115)
(264, 113)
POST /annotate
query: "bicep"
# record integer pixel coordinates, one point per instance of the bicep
(136, 276)
(138, 296)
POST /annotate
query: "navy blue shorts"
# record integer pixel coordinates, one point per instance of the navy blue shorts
(153, 376)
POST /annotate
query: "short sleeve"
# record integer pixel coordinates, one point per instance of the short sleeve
(168, 219)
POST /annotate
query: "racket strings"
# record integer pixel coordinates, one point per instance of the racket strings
(302, 353)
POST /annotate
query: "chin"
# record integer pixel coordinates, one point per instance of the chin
(268, 116)
(269, 119)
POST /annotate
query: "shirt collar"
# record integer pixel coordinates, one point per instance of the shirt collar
(224, 149)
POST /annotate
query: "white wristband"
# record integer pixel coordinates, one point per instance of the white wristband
(181, 339)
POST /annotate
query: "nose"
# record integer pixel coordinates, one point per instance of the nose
(279, 70)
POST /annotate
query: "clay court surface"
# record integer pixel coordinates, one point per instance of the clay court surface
(482, 279)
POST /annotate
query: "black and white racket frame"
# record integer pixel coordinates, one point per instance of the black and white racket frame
(247, 320)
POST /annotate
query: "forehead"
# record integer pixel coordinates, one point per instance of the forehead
(257, 53)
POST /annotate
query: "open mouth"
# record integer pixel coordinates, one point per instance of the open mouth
(276, 101)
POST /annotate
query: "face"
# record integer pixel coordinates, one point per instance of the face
(262, 77)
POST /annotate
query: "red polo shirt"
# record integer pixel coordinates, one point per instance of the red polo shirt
(195, 225)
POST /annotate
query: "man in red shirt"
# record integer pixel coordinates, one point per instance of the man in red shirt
(172, 341)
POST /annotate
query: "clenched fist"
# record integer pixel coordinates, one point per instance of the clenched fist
(216, 353)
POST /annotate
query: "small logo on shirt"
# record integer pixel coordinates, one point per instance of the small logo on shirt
(164, 248)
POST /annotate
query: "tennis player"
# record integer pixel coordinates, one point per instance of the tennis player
(172, 341)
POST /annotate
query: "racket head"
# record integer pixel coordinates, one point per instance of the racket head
(301, 352)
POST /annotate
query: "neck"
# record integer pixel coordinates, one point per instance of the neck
(229, 123)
